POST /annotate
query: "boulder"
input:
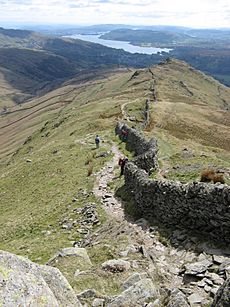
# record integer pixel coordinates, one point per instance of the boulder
(24, 283)
(197, 267)
(116, 265)
(177, 299)
(195, 298)
(77, 252)
(133, 279)
(140, 293)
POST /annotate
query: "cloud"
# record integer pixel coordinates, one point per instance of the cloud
(178, 12)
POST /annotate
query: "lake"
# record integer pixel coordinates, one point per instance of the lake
(118, 44)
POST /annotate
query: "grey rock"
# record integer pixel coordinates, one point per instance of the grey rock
(139, 293)
(133, 279)
(197, 267)
(213, 291)
(116, 265)
(24, 283)
(218, 259)
(195, 298)
(222, 297)
(156, 303)
(201, 284)
(177, 299)
(208, 281)
(207, 288)
(89, 293)
(67, 226)
(98, 302)
(215, 278)
(72, 252)
(224, 267)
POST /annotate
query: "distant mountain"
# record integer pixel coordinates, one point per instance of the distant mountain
(34, 64)
(138, 37)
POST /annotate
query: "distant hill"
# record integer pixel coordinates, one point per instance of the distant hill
(205, 49)
(138, 37)
(33, 64)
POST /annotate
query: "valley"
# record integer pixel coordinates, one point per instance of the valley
(60, 196)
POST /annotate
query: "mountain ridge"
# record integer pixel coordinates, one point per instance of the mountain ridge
(50, 170)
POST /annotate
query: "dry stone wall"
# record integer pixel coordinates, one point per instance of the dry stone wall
(197, 206)
(145, 151)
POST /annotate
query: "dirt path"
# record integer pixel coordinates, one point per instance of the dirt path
(162, 260)
(111, 204)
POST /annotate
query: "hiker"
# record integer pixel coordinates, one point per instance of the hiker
(97, 141)
(124, 135)
(122, 162)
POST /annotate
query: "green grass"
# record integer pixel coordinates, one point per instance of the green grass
(39, 183)
(36, 196)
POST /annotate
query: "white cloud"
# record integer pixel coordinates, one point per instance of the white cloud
(195, 13)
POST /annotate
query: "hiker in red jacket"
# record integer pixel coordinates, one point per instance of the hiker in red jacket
(124, 135)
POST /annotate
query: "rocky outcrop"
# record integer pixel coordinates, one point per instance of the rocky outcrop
(24, 283)
(145, 151)
(222, 298)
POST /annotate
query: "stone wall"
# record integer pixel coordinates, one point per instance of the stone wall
(202, 207)
(146, 113)
(145, 152)
(198, 206)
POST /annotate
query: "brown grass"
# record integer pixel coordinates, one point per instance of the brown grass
(90, 169)
(218, 178)
(209, 175)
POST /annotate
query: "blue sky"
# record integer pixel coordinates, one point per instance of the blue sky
(193, 13)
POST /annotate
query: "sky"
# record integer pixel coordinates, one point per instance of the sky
(189, 13)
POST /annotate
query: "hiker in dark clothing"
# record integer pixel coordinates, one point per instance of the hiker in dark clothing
(122, 162)
(97, 141)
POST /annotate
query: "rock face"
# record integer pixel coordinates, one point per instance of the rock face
(24, 283)
(222, 297)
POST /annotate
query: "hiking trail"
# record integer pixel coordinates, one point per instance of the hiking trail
(161, 260)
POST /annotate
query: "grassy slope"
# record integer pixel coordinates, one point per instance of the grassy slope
(193, 115)
(37, 195)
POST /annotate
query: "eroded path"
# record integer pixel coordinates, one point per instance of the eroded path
(111, 204)
(178, 266)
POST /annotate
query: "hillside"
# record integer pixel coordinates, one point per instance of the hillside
(204, 49)
(32, 64)
(48, 153)
(156, 38)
